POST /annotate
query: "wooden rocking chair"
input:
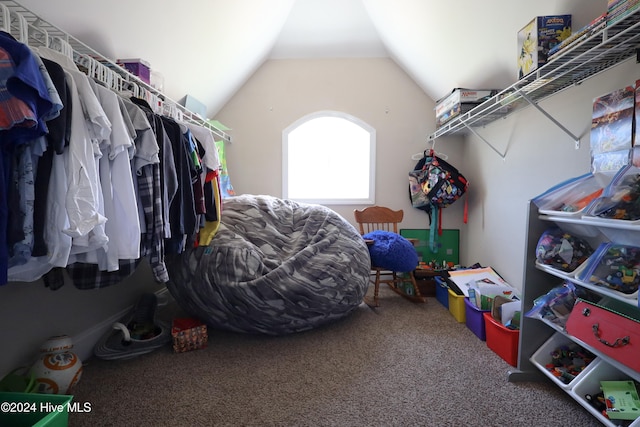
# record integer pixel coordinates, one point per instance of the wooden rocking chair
(382, 218)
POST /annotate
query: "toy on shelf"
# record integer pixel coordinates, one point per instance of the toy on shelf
(614, 266)
(556, 305)
(624, 203)
(561, 250)
(567, 361)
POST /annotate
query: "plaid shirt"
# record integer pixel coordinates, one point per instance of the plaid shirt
(150, 197)
(89, 276)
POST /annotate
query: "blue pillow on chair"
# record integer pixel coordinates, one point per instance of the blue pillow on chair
(391, 251)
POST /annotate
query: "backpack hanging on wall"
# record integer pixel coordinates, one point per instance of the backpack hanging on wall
(435, 184)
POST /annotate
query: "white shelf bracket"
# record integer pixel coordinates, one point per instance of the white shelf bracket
(473, 131)
(548, 116)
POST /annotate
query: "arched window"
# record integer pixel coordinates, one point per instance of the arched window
(329, 158)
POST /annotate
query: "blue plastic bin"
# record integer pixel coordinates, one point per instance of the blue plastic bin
(442, 291)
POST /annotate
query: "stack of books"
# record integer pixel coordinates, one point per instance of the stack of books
(583, 33)
(618, 9)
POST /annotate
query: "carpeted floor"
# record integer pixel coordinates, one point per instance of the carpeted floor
(404, 364)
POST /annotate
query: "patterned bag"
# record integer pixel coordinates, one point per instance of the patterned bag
(435, 183)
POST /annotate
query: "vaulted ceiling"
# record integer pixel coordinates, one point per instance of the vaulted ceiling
(209, 48)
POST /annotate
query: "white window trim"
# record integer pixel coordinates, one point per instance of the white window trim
(370, 199)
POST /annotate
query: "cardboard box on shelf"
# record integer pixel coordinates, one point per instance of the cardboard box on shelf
(536, 39)
(460, 101)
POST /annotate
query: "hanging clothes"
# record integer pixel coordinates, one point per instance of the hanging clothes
(89, 125)
(24, 104)
(168, 174)
(123, 227)
(182, 214)
(22, 193)
(146, 167)
(56, 139)
(210, 177)
(94, 181)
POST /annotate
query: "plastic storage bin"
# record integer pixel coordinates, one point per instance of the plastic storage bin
(612, 328)
(502, 340)
(33, 409)
(137, 67)
(542, 357)
(442, 292)
(20, 380)
(590, 385)
(475, 320)
(456, 306)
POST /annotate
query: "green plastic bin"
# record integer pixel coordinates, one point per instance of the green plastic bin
(15, 381)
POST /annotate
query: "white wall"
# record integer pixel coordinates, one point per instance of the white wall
(30, 313)
(538, 153)
(375, 90)
(538, 156)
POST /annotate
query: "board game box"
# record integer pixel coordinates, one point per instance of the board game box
(536, 39)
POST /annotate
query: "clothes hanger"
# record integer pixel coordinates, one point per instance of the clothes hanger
(425, 153)
(119, 84)
(62, 46)
(23, 29)
(6, 19)
(129, 87)
(40, 36)
(104, 73)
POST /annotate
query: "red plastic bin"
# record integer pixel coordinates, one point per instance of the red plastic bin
(502, 340)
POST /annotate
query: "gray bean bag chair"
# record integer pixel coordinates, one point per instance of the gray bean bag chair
(274, 267)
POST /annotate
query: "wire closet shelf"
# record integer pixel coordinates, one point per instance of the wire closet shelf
(29, 28)
(597, 52)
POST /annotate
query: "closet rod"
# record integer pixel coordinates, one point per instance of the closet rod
(80, 49)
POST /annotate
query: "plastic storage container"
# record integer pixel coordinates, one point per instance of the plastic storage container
(35, 410)
(589, 385)
(475, 320)
(456, 306)
(502, 340)
(138, 67)
(20, 380)
(442, 292)
(610, 327)
(543, 357)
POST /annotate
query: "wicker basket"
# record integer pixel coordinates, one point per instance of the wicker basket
(188, 334)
